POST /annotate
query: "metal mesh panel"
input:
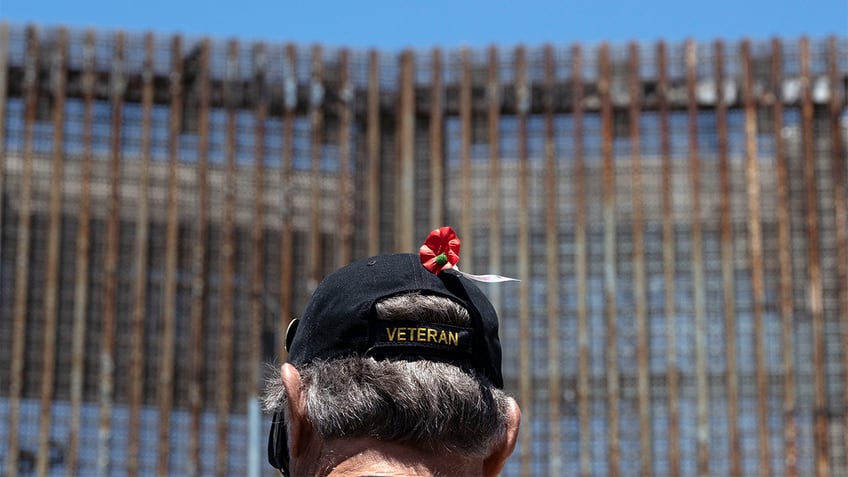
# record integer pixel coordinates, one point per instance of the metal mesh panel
(676, 215)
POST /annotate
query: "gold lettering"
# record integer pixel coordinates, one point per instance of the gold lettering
(423, 335)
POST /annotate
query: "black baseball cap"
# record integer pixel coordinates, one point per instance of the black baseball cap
(340, 318)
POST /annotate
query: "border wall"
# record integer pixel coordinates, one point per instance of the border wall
(676, 214)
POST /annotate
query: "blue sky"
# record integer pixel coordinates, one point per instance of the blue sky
(395, 24)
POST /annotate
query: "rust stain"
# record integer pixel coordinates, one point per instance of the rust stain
(374, 150)
(81, 259)
(22, 257)
(165, 391)
(437, 159)
(316, 136)
(228, 270)
(755, 244)
(555, 460)
(639, 287)
(405, 162)
(610, 278)
(346, 189)
(200, 267)
(727, 268)
(524, 381)
(669, 264)
(287, 233)
(54, 233)
(814, 288)
(698, 298)
(580, 266)
(253, 381)
(840, 210)
(787, 308)
(110, 267)
(495, 192)
(465, 193)
(142, 243)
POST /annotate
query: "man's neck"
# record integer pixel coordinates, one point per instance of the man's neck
(366, 457)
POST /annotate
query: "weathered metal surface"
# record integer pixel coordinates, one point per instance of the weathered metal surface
(252, 380)
(787, 308)
(493, 121)
(200, 269)
(755, 252)
(225, 351)
(167, 339)
(142, 245)
(372, 183)
(54, 233)
(697, 257)
(4, 81)
(117, 85)
(316, 146)
(669, 266)
(257, 231)
(639, 286)
(465, 194)
(555, 459)
(82, 261)
(727, 267)
(525, 346)
(22, 257)
(437, 158)
(287, 233)
(840, 212)
(346, 190)
(580, 267)
(814, 274)
(608, 196)
(405, 160)
(4, 56)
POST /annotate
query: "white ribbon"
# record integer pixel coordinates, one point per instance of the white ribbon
(486, 278)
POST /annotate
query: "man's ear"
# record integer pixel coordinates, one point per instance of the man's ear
(493, 464)
(299, 427)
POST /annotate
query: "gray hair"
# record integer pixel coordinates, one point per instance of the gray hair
(432, 406)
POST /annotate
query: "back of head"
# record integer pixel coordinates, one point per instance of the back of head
(395, 350)
(430, 405)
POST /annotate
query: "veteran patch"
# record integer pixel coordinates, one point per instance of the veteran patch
(414, 334)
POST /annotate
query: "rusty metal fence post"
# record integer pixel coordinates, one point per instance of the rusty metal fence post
(19, 313)
(51, 290)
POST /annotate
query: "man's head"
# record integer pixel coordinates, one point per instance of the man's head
(389, 354)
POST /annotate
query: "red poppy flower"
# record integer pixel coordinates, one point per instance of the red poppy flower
(440, 251)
